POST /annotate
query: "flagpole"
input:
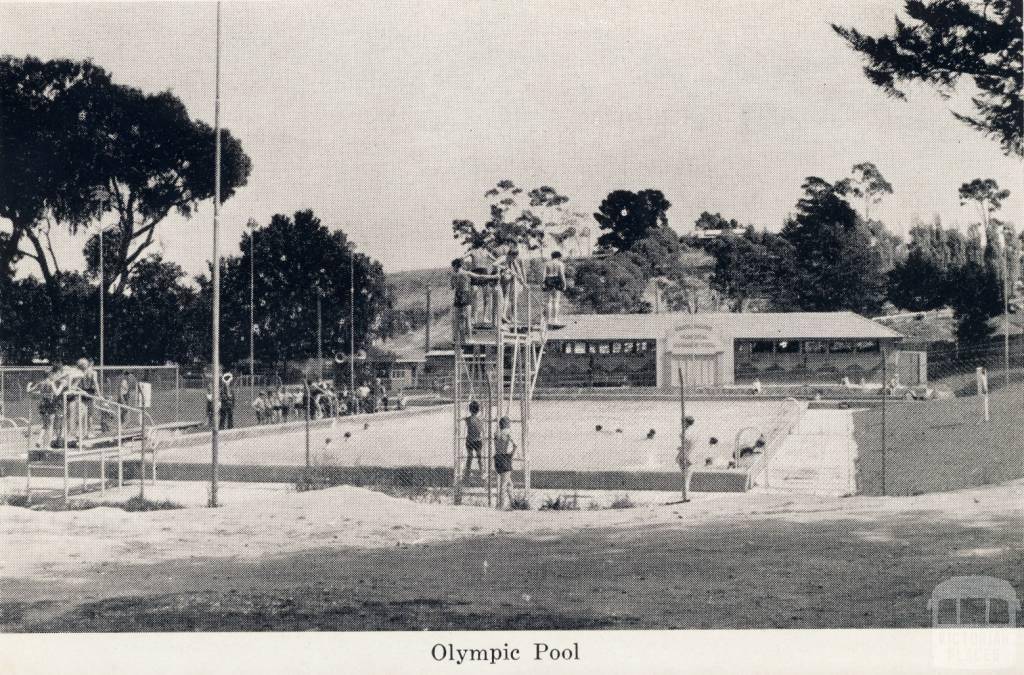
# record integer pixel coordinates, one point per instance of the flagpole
(215, 391)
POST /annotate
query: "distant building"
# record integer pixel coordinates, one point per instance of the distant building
(717, 349)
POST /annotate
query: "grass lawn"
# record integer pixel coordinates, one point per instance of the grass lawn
(936, 446)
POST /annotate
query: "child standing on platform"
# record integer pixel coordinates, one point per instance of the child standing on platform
(504, 447)
(481, 263)
(554, 285)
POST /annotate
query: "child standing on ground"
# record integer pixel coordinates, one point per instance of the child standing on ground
(259, 406)
(474, 438)
(504, 447)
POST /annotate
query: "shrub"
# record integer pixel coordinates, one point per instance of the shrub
(560, 504)
(623, 502)
(520, 504)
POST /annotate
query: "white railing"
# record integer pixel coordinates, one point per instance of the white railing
(80, 405)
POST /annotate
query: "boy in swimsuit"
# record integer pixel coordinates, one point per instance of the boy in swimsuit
(511, 273)
(481, 265)
(504, 448)
(50, 391)
(554, 285)
(474, 439)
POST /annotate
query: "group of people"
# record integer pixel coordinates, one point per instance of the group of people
(83, 412)
(274, 406)
(487, 281)
(504, 449)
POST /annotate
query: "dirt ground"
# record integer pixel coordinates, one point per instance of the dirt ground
(351, 559)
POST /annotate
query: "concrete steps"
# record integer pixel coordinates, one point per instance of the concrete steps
(817, 458)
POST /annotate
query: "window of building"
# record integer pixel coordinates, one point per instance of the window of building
(641, 346)
(591, 347)
(579, 347)
(627, 347)
(603, 348)
(867, 346)
(787, 347)
(815, 347)
(567, 348)
(841, 347)
(616, 348)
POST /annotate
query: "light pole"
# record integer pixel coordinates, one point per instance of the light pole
(352, 320)
(252, 225)
(215, 389)
(319, 336)
(103, 292)
(1003, 239)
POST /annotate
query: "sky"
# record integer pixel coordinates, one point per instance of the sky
(391, 119)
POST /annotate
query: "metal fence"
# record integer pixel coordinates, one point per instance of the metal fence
(164, 383)
(964, 428)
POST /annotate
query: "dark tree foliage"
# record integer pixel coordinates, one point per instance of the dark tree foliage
(77, 146)
(976, 298)
(610, 285)
(626, 217)
(158, 320)
(835, 265)
(919, 283)
(926, 278)
(753, 268)
(947, 40)
(45, 175)
(709, 221)
(297, 258)
(510, 221)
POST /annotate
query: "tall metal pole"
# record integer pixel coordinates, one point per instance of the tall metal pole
(102, 294)
(1006, 306)
(682, 435)
(351, 322)
(319, 337)
(215, 391)
(426, 340)
(252, 304)
(884, 401)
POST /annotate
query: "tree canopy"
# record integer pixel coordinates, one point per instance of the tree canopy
(513, 217)
(946, 41)
(835, 265)
(626, 217)
(87, 148)
(296, 259)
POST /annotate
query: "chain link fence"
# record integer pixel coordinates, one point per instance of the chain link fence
(964, 428)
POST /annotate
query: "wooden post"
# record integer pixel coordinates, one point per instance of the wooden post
(142, 456)
(682, 436)
(120, 436)
(28, 453)
(884, 401)
(309, 462)
(456, 405)
(426, 340)
(64, 440)
(524, 398)
(490, 434)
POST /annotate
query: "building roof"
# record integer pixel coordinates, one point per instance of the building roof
(783, 326)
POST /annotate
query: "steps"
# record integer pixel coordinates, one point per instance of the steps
(818, 457)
